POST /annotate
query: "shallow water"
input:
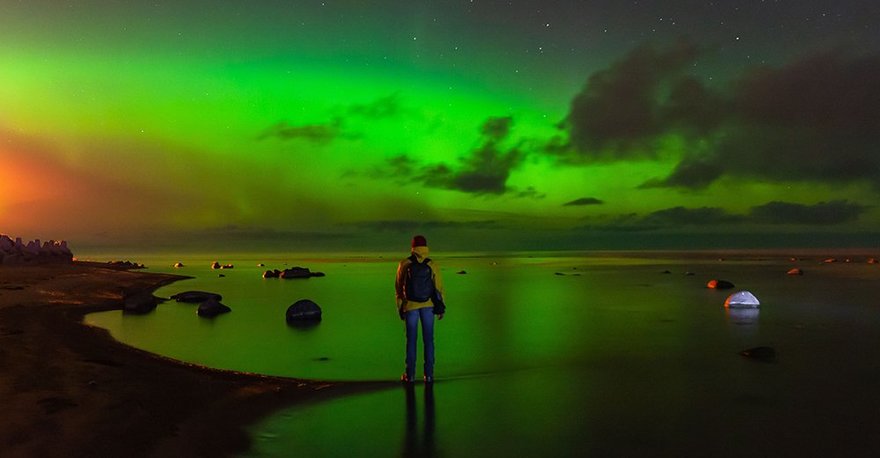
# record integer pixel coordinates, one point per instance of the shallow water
(614, 357)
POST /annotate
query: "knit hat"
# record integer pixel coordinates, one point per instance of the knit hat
(419, 240)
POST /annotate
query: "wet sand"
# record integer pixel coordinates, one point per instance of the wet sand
(68, 389)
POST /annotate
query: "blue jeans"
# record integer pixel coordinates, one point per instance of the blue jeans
(426, 316)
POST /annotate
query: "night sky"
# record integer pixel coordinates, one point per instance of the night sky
(351, 125)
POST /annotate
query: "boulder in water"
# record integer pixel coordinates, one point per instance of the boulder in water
(215, 265)
(178, 265)
(271, 273)
(139, 304)
(196, 296)
(299, 272)
(211, 308)
(303, 310)
(795, 271)
(742, 300)
(719, 284)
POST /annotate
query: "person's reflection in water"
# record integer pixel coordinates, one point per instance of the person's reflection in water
(412, 446)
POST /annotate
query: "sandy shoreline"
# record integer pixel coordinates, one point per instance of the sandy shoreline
(71, 390)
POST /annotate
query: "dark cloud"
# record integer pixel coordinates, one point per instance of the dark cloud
(621, 109)
(381, 108)
(668, 218)
(384, 107)
(692, 172)
(529, 193)
(822, 213)
(814, 119)
(583, 201)
(484, 170)
(406, 226)
(316, 133)
(832, 212)
(677, 216)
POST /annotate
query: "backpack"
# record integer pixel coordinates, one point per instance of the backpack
(419, 286)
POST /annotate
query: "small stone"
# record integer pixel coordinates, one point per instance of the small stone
(719, 284)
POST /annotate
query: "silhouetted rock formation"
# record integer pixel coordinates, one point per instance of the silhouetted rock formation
(139, 304)
(299, 272)
(211, 308)
(271, 273)
(303, 310)
(196, 296)
(16, 252)
(126, 265)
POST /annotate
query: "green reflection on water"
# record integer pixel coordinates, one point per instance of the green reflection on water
(612, 358)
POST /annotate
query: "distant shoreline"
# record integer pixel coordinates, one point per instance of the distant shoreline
(75, 390)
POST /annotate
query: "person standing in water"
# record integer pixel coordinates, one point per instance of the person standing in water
(419, 291)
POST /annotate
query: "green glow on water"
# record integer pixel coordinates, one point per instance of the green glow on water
(615, 355)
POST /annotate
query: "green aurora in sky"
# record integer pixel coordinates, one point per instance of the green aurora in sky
(485, 125)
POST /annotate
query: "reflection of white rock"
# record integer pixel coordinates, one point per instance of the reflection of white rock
(742, 300)
(744, 315)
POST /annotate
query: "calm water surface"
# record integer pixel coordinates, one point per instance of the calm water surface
(548, 355)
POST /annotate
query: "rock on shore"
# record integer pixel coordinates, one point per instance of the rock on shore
(16, 252)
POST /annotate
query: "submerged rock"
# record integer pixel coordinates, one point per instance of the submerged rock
(462, 272)
(767, 354)
(139, 304)
(742, 300)
(303, 310)
(196, 296)
(719, 284)
(211, 308)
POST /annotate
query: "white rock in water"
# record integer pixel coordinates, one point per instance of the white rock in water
(742, 300)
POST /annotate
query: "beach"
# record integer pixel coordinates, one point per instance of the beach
(599, 354)
(72, 390)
